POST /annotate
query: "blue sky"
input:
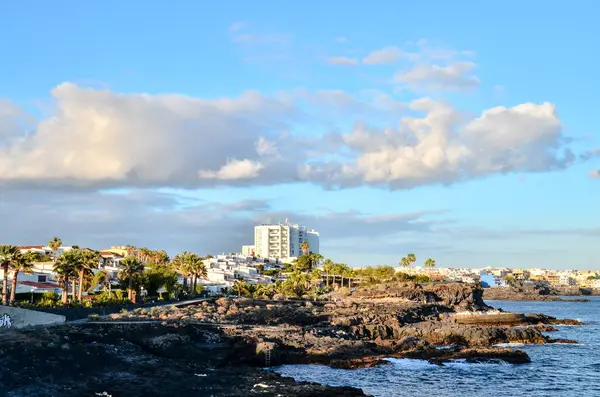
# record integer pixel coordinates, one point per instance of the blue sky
(151, 169)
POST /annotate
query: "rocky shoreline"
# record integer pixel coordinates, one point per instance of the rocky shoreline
(528, 294)
(220, 348)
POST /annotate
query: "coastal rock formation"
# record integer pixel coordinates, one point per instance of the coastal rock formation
(139, 360)
(218, 346)
(455, 295)
(530, 293)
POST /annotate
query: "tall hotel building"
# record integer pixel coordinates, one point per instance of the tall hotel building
(283, 241)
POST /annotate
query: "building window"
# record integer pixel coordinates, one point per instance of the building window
(42, 279)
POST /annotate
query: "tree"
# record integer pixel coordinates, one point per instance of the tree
(8, 254)
(180, 266)
(408, 260)
(341, 269)
(196, 268)
(305, 247)
(328, 266)
(302, 263)
(157, 277)
(348, 274)
(66, 267)
(101, 278)
(430, 263)
(510, 280)
(242, 288)
(88, 263)
(264, 291)
(161, 257)
(22, 263)
(189, 264)
(315, 259)
(296, 284)
(54, 245)
(131, 266)
(404, 262)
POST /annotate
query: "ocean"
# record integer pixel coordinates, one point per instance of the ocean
(556, 369)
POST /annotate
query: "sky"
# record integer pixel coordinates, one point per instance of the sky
(464, 131)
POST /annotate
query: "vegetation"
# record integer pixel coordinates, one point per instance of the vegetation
(54, 245)
(131, 266)
(309, 275)
(9, 254)
(384, 274)
(510, 280)
(22, 263)
(429, 263)
(190, 266)
(306, 261)
(408, 260)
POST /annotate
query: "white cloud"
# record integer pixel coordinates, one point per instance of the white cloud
(105, 138)
(234, 169)
(341, 39)
(442, 148)
(98, 138)
(387, 55)
(594, 174)
(454, 76)
(342, 61)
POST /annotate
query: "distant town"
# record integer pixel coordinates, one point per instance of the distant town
(277, 250)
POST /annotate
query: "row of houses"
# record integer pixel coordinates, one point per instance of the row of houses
(222, 270)
(42, 277)
(555, 278)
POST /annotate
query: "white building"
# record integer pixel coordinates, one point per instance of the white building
(248, 250)
(283, 241)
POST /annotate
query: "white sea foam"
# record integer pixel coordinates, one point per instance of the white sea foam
(411, 363)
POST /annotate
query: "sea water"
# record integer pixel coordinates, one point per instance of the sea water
(555, 370)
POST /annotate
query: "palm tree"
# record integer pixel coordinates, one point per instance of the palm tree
(23, 263)
(404, 262)
(178, 265)
(315, 259)
(131, 266)
(305, 247)
(54, 245)
(411, 259)
(349, 274)
(328, 266)
(103, 278)
(196, 268)
(66, 267)
(430, 263)
(161, 257)
(241, 288)
(130, 250)
(89, 262)
(8, 255)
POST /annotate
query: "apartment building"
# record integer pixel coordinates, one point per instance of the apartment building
(283, 241)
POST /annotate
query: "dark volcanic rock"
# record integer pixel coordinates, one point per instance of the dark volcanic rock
(217, 348)
(139, 360)
(459, 296)
(531, 293)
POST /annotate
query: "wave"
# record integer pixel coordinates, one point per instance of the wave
(510, 344)
(412, 364)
